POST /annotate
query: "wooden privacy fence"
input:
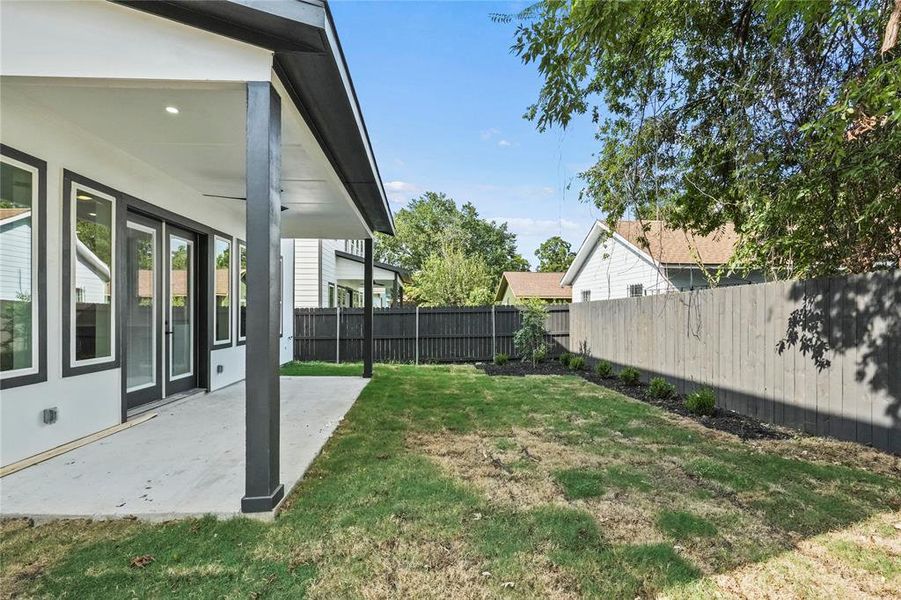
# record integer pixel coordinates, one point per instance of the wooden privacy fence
(823, 355)
(412, 334)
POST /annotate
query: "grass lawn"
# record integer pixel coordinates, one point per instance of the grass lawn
(444, 482)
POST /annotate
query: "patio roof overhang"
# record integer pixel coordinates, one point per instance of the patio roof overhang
(310, 63)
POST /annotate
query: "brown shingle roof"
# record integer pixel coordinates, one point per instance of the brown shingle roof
(526, 284)
(677, 246)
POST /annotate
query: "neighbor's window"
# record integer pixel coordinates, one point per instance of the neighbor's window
(242, 291)
(586, 295)
(222, 259)
(93, 275)
(18, 268)
(281, 296)
(636, 290)
(331, 295)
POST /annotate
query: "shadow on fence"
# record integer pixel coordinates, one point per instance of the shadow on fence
(414, 335)
(822, 356)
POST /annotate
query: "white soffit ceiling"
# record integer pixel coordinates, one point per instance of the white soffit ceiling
(203, 145)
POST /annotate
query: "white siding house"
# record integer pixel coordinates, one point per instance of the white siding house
(645, 258)
(161, 158)
(329, 273)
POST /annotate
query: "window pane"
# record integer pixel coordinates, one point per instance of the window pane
(140, 328)
(17, 304)
(93, 254)
(181, 307)
(242, 292)
(223, 289)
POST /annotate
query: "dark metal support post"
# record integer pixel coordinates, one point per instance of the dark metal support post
(367, 308)
(263, 490)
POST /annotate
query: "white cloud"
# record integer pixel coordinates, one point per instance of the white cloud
(504, 144)
(529, 227)
(487, 134)
(400, 192)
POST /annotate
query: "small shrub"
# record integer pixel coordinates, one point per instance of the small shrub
(529, 338)
(661, 388)
(565, 358)
(577, 363)
(630, 376)
(604, 369)
(501, 359)
(701, 402)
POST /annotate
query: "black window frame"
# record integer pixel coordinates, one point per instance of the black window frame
(214, 344)
(71, 178)
(40, 375)
(239, 244)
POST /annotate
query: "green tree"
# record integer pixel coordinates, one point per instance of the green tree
(433, 221)
(781, 118)
(529, 338)
(450, 277)
(554, 255)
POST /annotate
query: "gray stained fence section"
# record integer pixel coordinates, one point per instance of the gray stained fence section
(822, 356)
(427, 335)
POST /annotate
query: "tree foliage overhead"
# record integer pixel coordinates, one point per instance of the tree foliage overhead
(450, 277)
(554, 255)
(433, 222)
(779, 117)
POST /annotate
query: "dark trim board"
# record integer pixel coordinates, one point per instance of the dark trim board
(404, 274)
(41, 209)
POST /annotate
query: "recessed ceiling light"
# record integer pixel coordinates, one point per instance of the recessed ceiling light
(171, 110)
(84, 197)
(92, 214)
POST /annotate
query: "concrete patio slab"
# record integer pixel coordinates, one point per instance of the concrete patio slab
(188, 461)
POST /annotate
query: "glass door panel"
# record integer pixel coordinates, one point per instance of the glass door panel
(181, 306)
(142, 298)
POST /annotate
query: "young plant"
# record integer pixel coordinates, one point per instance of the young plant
(501, 358)
(565, 358)
(529, 338)
(701, 402)
(630, 376)
(660, 388)
(577, 363)
(604, 369)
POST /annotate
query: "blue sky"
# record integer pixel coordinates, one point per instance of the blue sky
(443, 100)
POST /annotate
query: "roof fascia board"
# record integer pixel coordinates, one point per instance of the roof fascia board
(347, 255)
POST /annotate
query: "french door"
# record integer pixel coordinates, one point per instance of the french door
(162, 313)
(181, 314)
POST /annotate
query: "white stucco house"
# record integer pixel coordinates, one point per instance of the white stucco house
(640, 258)
(330, 273)
(158, 160)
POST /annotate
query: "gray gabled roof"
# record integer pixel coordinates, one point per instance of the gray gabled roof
(309, 61)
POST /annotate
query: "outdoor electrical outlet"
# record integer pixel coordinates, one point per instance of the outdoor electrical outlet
(48, 415)
(219, 369)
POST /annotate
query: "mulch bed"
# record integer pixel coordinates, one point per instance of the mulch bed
(746, 428)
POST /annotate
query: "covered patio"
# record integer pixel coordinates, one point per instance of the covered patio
(187, 461)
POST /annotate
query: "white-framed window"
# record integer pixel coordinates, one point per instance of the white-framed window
(586, 295)
(20, 267)
(222, 277)
(332, 298)
(242, 291)
(142, 331)
(636, 290)
(281, 296)
(92, 276)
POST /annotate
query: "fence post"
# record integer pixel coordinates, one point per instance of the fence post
(417, 335)
(337, 335)
(493, 335)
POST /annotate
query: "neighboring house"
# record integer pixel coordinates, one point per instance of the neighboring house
(632, 261)
(516, 286)
(329, 273)
(158, 160)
